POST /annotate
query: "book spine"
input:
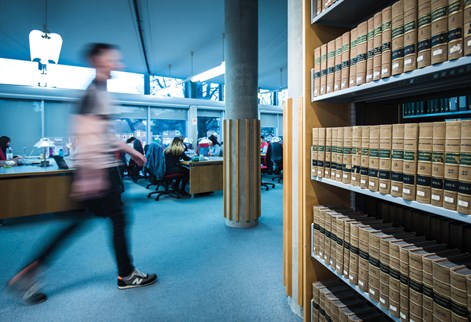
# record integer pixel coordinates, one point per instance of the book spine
(464, 179)
(386, 34)
(451, 167)
(455, 29)
(424, 33)
(439, 31)
(409, 171)
(385, 151)
(438, 161)
(410, 35)
(424, 162)
(397, 50)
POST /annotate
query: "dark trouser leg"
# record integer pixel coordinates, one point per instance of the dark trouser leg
(46, 254)
(185, 179)
(120, 244)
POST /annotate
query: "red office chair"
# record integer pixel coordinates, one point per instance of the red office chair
(264, 168)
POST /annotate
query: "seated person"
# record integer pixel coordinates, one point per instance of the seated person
(173, 154)
(4, 145)
(215, 149)
(203, 147)
(263, 145)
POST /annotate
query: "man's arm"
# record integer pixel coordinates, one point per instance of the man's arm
(135, 155)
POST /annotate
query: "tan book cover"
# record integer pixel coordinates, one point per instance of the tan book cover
(467, 27)
(345, 78)
(328, 151)
(315, 141)
(333, 158)
(451, 167)
(424, 163)
(377, 45)
(364, 160)
(411, 135)
(362, 52)
(397, 159)
(424, 33)
(438, 163)
(464, 178)
(397, 47)
(455, 29)
(330, 66)
(319, 6)
(321, 153)
(339, 166)
(370, 50)
(338, 64)
(439, 31)
(353, 57)
(323, 82)
(373, 159)
(347, 155)
(410, 35)
(356, 155)
(386, 34)
(385, 151)
(317, 71)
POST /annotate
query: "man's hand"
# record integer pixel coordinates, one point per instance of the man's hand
(136, 156)
(139, 159)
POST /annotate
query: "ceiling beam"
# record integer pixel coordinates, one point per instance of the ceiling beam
(141, 35)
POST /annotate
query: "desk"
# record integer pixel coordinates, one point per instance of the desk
(205, 176)
(32, 190)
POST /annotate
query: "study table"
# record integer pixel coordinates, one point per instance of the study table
(205, 176)
(32, 190)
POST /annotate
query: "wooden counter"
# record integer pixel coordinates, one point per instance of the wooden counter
(205, 176)
(32, 190)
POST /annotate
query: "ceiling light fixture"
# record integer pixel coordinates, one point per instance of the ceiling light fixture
(213, 72)
(44, 46)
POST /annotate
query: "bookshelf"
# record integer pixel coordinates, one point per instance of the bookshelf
(371, 103)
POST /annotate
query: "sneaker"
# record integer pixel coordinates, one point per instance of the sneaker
(25, 285)
(136, 279)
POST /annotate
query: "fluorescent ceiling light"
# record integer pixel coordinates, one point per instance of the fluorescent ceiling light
(210, 73)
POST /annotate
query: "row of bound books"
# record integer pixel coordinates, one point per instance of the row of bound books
(415, 278)
(408, 35)
(426, 162)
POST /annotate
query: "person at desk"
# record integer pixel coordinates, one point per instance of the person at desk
(173, 154)
(215, 148)
(263, 145)
(97, 184)
(4, 144)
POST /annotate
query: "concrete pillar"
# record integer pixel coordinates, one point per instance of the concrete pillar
(241, 126)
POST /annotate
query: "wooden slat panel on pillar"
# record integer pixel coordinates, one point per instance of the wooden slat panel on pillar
(300, 176)
(229, 166)
(224, 163)
(256, 185)
(287, 197)
(237, 169)
(247, 170)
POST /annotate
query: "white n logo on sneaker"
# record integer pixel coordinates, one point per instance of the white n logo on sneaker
(137, 281)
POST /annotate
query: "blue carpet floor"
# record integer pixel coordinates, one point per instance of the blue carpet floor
(207, 271)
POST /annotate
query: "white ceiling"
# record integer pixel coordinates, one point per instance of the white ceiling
(171, 30)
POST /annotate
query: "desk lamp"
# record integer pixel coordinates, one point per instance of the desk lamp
(44, 143)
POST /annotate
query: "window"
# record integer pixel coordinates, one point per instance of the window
(123, 82)
(209, 91)
(265, 97)
(268, 125)
(167, 123)
(282, 96)
(166, 87)
(130, 121)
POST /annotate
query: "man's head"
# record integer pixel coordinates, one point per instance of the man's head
(104, 58)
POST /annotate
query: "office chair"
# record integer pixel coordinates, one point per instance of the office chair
(266, 169)
(276, 157)
(157, 174)
(169, 182)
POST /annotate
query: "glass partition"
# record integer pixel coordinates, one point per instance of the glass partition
(21, 121)
(166, 123)
(130, 121)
